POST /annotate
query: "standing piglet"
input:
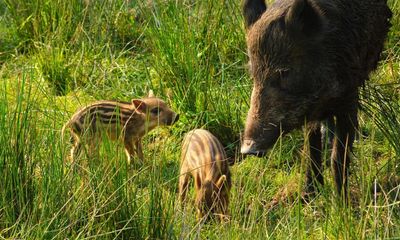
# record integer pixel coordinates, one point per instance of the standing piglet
(124, 121)
(308, 59)
(203, 157)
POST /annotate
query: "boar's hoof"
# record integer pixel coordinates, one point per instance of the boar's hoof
(249, 147)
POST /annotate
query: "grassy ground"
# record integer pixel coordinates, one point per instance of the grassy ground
(56, 56)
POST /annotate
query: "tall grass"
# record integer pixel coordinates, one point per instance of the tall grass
(67, 35)
(199, 58)
(42, 197)
(60, 55)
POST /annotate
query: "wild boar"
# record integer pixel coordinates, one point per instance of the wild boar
(203, 157)
(308, 59)
(125, 121)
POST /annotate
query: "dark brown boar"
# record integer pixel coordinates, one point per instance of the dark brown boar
(308, 59)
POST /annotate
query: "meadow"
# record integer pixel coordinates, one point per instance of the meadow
(57, 56)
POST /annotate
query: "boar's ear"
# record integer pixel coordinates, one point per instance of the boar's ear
(220, 181)
(304, 17)
(252, 11)
(139, 105)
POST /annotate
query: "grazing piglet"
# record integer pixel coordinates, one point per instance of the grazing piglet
(125, 121)
(204, 158)
(308, 60)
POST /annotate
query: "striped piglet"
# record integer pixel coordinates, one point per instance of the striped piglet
(204, 158)
(125, 121)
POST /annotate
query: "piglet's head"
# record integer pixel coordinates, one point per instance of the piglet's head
(213, 198)
(157, 112)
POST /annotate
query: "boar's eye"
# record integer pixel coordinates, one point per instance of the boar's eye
(156, 111)
(283, 73)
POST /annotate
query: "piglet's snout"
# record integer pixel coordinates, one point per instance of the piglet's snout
(175, 119)
(172, 120)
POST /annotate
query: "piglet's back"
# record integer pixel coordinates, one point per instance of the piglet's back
(203, 153)
(105, 112)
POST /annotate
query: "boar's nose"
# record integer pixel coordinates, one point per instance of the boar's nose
(249, 147)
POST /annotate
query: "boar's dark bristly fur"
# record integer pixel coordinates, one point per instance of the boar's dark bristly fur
(308, 59)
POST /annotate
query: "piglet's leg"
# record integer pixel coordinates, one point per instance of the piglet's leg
(93, 148)
(139, 149)
(183, 185)
(129, 149)
(75, 152)
(76, 148)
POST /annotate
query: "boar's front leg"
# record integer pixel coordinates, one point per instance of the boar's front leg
(342, 146)
(314, 169)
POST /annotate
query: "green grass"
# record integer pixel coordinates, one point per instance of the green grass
(56, 56)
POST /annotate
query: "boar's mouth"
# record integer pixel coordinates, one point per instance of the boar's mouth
(260, 145)
(251, 147)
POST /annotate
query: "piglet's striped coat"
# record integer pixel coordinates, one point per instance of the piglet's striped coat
(203, 157)
(124, 121)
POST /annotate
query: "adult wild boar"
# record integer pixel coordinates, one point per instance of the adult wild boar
(308, 59)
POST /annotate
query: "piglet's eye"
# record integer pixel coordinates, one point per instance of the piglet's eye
(155, 111)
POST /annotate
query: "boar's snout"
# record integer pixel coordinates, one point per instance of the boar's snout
(249, 147)
(258, 139)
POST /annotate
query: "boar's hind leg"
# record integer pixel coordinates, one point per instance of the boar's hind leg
(342, 146)
(328, 134)
(314, 169)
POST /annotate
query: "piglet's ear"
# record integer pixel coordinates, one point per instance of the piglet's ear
(139, 105)
(151, 94)
(303, 17)
(220, 181)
